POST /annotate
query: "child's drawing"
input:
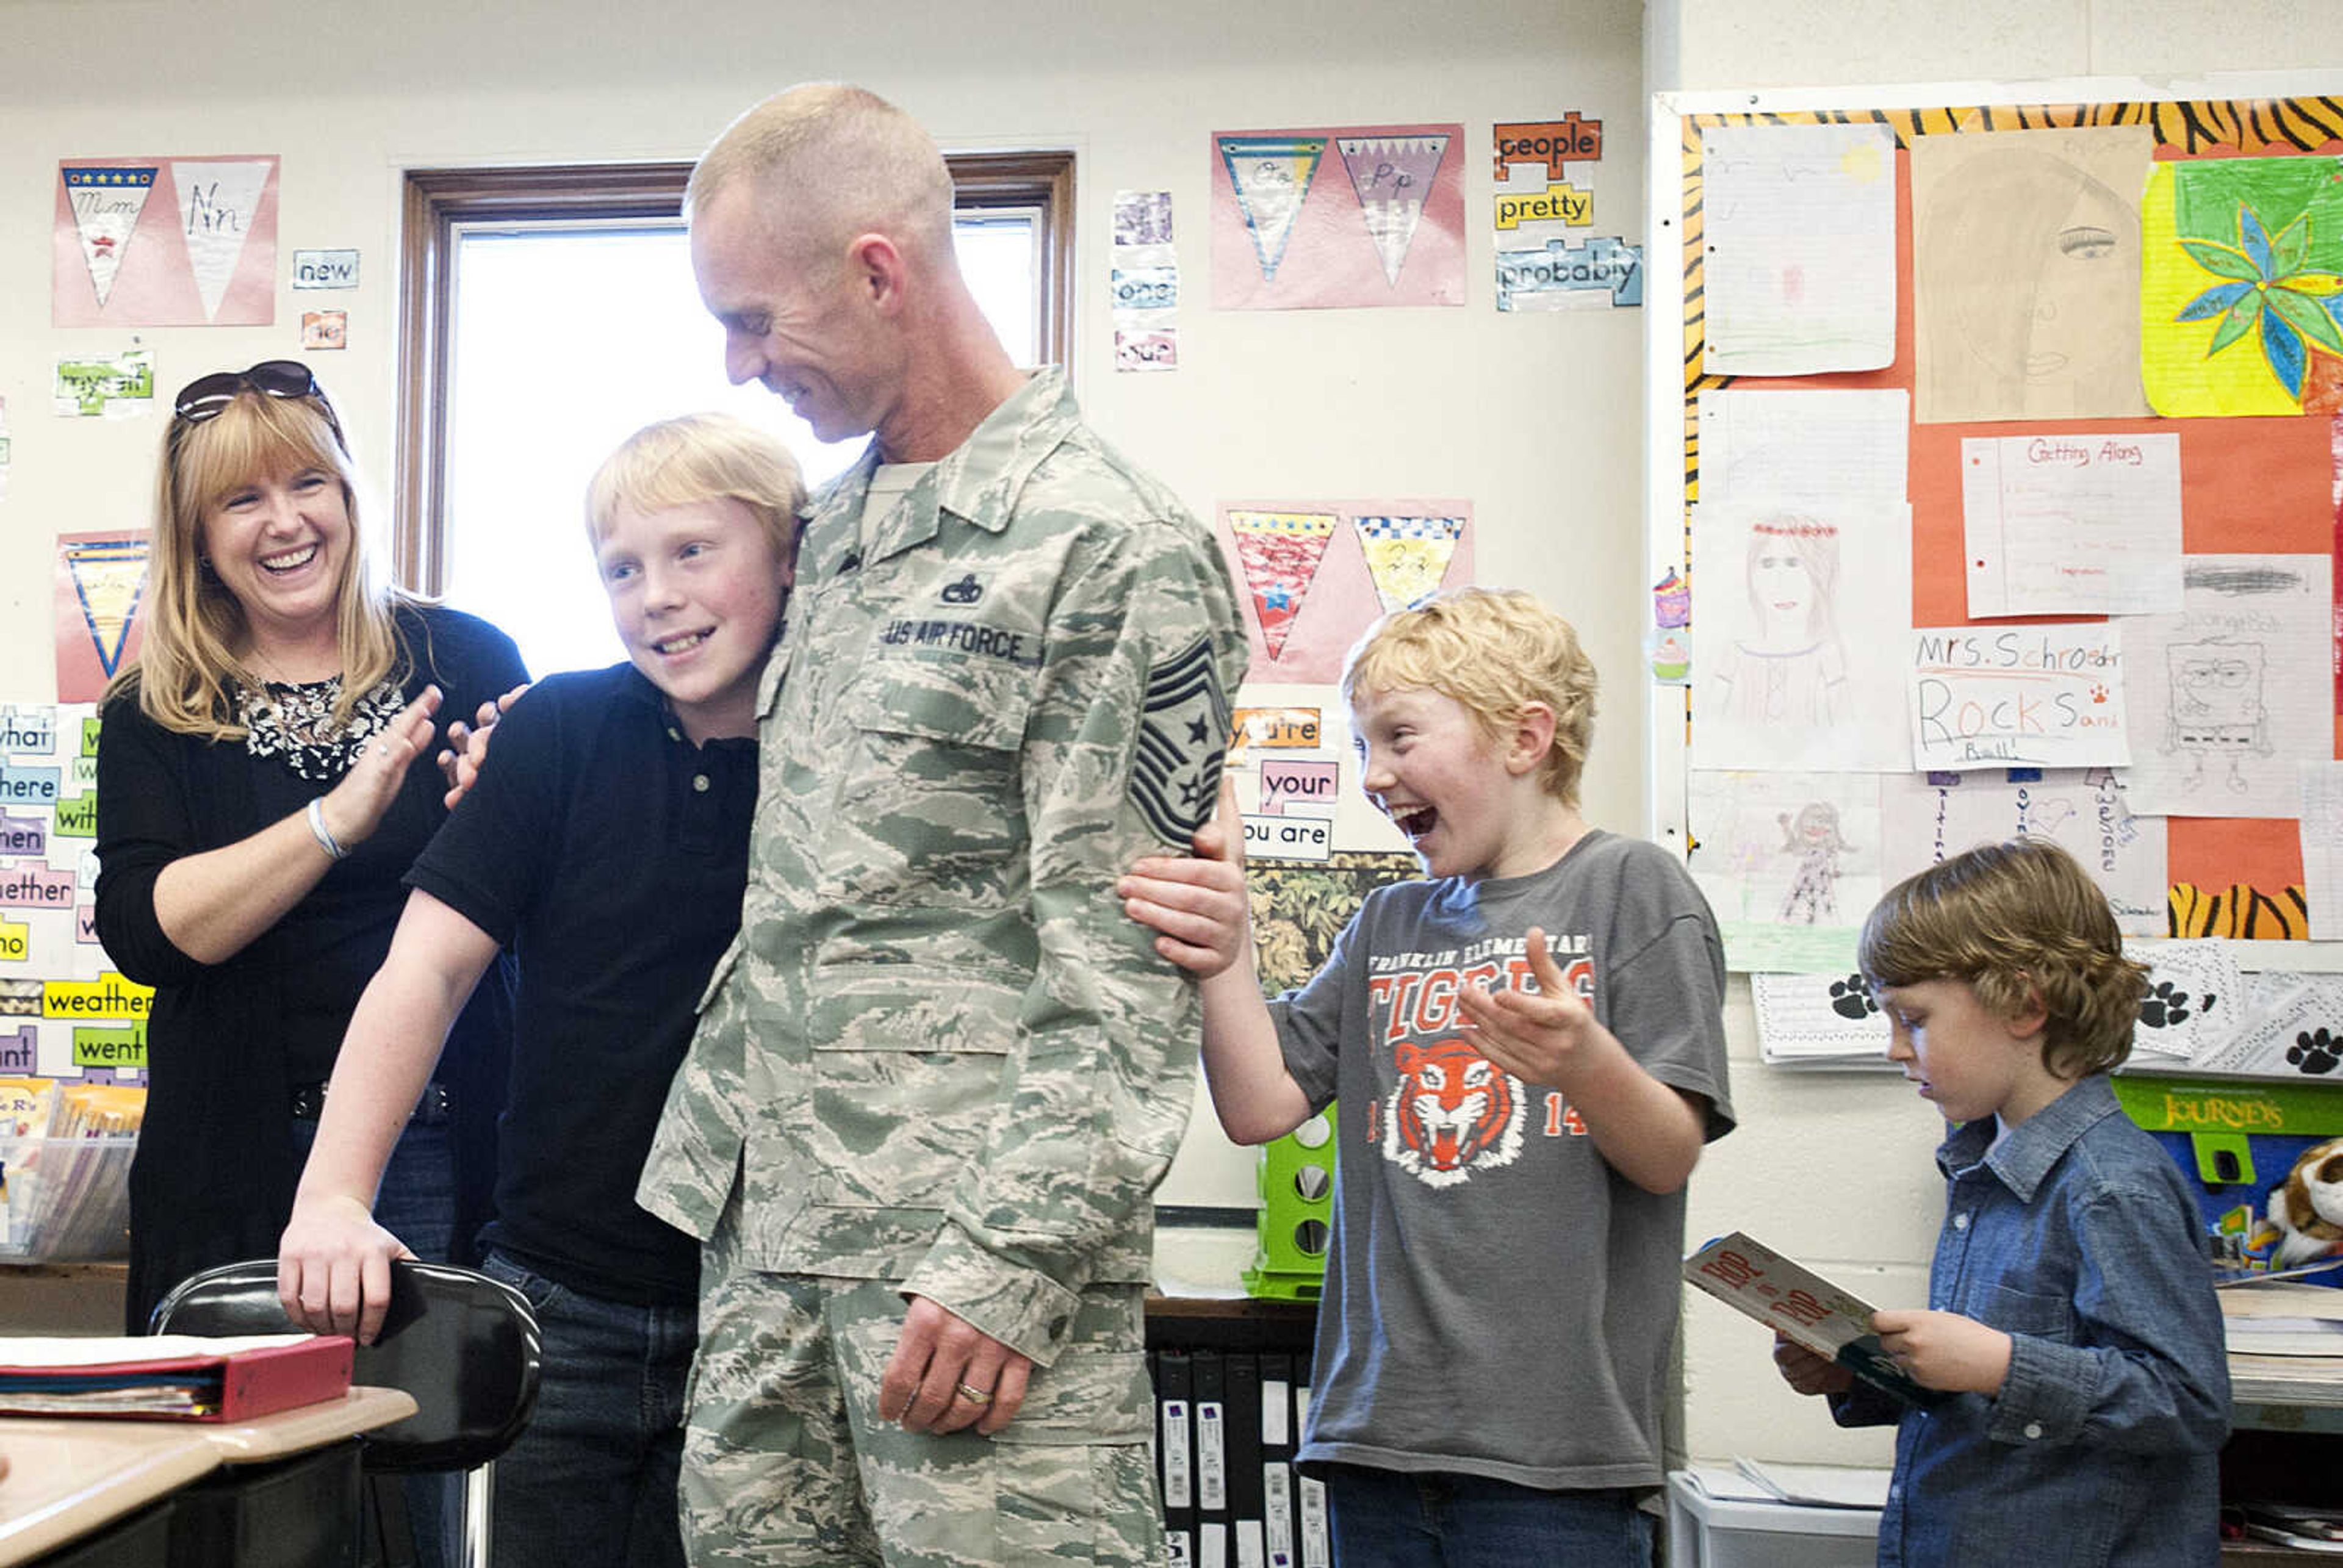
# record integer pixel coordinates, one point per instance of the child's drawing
(2025, 272)
(1780, 594)
(1791, 668)
(2244, 257)
(1788, 863)
(1813, 836)
(2222, 729)
(2215, 709)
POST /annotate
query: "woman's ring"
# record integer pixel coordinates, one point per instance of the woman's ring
(974, 1396)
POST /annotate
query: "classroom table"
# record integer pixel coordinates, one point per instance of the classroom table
(69, 1476)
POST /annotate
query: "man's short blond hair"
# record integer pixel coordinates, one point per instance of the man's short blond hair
(1496, 651)
(695, 458)
(2017, 921)
(828, 162)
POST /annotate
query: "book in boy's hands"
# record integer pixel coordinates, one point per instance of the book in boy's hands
(184, 1377)
(1804, 1308)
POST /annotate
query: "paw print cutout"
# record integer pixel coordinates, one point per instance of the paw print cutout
(2164, 1006)
(1851, 997)
(2314, 1051)
(2099, 694)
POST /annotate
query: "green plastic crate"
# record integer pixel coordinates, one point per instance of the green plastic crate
(1296, 1177)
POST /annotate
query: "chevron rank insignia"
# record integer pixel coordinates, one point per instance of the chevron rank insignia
(1175, 776)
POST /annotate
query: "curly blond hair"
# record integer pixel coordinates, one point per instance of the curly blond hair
(2020, 923)
(1496, 651)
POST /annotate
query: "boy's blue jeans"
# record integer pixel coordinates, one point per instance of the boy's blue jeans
(592, 1478)
(1390, 1519)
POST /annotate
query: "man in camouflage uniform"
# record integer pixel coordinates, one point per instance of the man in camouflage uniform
(939, 1075)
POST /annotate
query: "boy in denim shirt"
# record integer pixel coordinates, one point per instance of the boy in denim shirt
(2071, 1309)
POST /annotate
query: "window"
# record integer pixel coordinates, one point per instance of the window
(548, 314)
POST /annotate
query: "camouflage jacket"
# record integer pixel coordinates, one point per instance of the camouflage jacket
(939, 1051)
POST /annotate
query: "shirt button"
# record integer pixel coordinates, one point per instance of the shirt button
(700, 783)
(1960, 1221)
(2033, 1429)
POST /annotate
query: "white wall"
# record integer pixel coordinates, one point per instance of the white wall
(1837, 1170)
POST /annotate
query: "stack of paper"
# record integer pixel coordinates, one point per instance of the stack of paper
(1806, 1020)
(2290, 1524)
(1819, 1485)
(2284, 1317)
(2284, 1329)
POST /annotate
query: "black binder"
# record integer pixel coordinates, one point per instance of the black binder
(1176, 1453)
(1279, 1544)
(1310, 1524)
(1245, 1497)
(1211, 1460)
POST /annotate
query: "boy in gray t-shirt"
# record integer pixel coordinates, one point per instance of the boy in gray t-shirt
(1529, 1054)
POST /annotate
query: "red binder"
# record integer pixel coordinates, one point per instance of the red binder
(217, 1379)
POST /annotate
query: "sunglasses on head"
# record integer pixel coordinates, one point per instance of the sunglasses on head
(207, 397)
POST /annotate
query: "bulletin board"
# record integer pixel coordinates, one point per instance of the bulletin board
(2258, 457)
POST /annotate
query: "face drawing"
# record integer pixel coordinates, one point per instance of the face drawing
(2051, 257)
(2215, 685)
(1816, 828)
(1793, 580)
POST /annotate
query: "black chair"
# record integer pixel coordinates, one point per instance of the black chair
(463, 1344)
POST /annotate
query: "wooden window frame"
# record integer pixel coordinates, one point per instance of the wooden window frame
(437, 202)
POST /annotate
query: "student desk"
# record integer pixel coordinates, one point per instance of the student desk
(69, 1477)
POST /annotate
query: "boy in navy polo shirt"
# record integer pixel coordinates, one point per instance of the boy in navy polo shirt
(609, 847)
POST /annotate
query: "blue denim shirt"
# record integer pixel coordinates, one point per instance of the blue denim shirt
(2079, 1238)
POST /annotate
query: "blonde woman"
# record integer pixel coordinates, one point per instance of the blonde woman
(262, 786)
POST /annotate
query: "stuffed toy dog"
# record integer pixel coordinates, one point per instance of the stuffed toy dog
(2308, 1205)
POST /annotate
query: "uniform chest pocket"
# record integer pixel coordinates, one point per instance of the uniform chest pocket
(931, 811)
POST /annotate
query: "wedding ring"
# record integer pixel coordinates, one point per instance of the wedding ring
(974, 1396)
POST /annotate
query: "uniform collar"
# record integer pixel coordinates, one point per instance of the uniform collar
(2024, 1158)
(978, 481)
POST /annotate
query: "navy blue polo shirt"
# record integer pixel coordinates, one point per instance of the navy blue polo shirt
(610, 853)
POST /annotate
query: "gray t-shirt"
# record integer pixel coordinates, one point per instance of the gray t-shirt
(1498, 1302)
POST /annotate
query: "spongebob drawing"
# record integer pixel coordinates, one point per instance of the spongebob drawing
(2216, 708)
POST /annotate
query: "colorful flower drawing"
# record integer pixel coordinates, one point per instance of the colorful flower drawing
(2241, 287)
(2273, 288)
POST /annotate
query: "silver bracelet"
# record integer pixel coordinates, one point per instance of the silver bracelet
(334, 851)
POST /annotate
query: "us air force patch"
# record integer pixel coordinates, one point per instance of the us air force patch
(1175, 776)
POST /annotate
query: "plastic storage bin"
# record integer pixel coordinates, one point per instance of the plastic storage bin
(65, 1199)
(1705, 1531)
(1296, 1173)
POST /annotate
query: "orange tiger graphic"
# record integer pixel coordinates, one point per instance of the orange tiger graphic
(1452, 1111)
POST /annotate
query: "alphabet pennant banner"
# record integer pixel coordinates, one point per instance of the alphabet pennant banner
(1287, 234)
(165, 242)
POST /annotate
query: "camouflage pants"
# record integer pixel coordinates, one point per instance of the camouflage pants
(785, 1459)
